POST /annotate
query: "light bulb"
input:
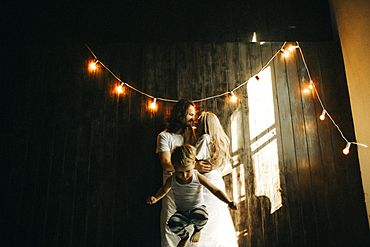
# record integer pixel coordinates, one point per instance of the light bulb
(153, 105)
(322, 116)
(119, 88)
(286, 53)
(311, 85)
(346, 149)
(92, 65)
(233, 98)
(291, 48)
(254, 39)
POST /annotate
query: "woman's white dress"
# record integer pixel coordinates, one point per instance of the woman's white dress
(219, 230)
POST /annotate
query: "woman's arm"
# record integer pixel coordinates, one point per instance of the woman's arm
(161, 192)
(216, 191)
(202, 165)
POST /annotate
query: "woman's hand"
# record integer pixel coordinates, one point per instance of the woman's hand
(203, 166)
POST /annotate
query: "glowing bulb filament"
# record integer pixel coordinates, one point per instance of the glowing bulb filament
(286, 53)
(254, 39)
(293, 47)
(322, 116)
(233, 98)
(120, 88)
(92, 65)
(346, 149)
(311, 85)
(153, 105)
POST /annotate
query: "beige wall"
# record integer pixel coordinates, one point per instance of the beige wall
(353, 24)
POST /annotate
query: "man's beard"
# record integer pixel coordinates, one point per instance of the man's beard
(188, 124)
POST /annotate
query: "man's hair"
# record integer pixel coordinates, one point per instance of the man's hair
(183, 155)
(176, 115)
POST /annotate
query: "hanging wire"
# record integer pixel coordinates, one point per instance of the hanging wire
(320, 101)
(125, 83)
(263, 68)
(195, 101)
(226, 93)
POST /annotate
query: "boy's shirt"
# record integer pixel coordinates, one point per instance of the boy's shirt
(187, 196)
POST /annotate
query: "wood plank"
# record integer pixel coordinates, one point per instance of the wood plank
(288, 165)
(321, 165)
(281, 216)
(254, 55)
(303, 165)
(54, 181)
(243, 218)
(269, 220)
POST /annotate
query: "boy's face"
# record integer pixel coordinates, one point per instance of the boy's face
(184, 173)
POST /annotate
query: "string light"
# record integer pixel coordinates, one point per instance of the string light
(92, 65)
(285, 52)
(119, 88)
(311, 85)
(322, 116)
(254, 39)
(233, 98)
(346, 149)
(293, 47)
(153, 105)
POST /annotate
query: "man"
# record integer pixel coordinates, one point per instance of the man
(179, 119)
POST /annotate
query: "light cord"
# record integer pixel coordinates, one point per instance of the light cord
(241, 85)
(321, 103)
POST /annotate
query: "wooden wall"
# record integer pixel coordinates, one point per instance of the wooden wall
(78, 162)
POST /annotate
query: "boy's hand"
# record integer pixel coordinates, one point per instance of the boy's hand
(151, 200)
(232, 205)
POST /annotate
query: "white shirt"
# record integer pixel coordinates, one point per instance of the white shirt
(203, 149)
(167, 141)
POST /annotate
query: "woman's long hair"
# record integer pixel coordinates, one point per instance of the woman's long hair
(220, 142)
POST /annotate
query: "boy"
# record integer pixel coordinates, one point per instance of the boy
(186, 185)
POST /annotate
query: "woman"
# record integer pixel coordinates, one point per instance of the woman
(213, 146)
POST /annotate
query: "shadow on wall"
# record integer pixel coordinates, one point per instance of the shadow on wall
(254, 150)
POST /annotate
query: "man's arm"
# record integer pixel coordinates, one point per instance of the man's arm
(165, 159)
(161, 192)
(216, 191)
